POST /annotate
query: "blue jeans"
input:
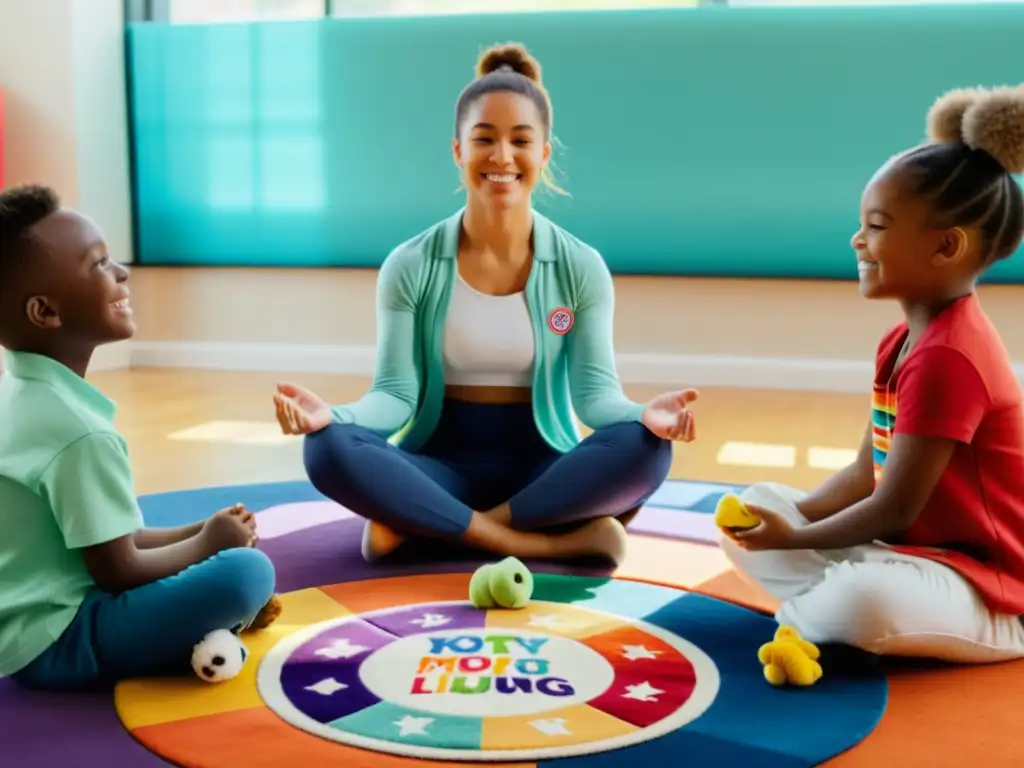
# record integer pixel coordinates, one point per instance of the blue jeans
(481, 456)
(151, 630)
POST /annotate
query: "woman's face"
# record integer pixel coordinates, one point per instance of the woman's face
(502, 149)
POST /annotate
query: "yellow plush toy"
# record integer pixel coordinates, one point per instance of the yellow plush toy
(733, 513)
(790, 659)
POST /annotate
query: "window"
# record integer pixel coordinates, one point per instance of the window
(350, 8)
(212, 11)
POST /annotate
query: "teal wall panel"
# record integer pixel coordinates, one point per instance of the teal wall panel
(712, 141)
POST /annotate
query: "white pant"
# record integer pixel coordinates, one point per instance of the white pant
(874, 598)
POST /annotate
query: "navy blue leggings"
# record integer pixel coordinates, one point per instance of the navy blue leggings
(480, 456)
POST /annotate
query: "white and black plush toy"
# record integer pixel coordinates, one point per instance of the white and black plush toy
(219, 656)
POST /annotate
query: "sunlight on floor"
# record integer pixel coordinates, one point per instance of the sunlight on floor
(234, 432)
(757, 455)
(737, 454)
(830, 458)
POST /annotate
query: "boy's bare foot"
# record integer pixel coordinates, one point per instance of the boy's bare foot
(379, 541)
(268, 614)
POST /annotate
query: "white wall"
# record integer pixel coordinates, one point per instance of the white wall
(62, 71)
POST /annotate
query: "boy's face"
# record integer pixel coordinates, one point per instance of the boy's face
(82, 293)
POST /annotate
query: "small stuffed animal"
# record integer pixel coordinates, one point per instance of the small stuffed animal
(219, 656)
(505, 584)
(790, 659)
(733, 513)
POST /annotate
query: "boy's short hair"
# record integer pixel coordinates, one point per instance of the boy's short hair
(21, 208)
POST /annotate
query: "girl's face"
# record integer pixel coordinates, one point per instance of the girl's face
(502, 149)
(900, 254)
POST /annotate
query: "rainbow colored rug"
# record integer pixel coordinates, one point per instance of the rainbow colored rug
(933, 715)
(596, 669)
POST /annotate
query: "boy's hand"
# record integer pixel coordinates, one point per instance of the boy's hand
(243, 514)
(230, 528)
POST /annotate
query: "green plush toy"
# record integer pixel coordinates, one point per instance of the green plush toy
(505, 584)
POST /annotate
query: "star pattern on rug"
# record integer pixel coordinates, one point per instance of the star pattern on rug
(642, 692)
(413, 726)
(634, 652)
(431, 620)
(551, 726)
(326, 687)
(342, 648)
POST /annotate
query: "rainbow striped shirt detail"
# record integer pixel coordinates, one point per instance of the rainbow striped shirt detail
(883, 419)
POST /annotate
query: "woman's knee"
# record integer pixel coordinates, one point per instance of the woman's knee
(637, 445)
(328, 455)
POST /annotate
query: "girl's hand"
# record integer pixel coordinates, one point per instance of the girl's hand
(299, 411)
(774, 532)
(669, 417)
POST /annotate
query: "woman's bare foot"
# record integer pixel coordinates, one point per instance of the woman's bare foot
(627, 517)
(379, 541)
(601, 537)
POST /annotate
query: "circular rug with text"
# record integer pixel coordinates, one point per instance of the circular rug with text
(404, 671)
(451, 682)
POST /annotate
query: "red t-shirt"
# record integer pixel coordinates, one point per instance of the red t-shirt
(958, 383)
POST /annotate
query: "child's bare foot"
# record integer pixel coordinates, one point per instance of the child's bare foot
(270, 613)
(379, 541)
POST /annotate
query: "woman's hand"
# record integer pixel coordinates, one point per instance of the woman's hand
(773, 532)
(299, 411)
(669, 417)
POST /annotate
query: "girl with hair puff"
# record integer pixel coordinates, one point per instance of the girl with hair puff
(916, 548)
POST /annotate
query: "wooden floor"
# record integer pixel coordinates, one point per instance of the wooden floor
(188, 429)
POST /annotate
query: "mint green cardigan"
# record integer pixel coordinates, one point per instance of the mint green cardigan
(574, 372)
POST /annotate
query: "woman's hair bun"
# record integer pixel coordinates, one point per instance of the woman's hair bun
(511, 56)
(988, 120)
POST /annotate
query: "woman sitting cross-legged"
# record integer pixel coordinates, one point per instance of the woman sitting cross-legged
(494, 327)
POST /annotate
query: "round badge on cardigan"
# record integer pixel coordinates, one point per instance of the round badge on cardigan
(561, 320)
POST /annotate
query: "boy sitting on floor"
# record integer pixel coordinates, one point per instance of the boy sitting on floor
(88, 595)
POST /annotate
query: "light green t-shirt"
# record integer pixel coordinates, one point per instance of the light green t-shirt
(571, 301)
(65, 484)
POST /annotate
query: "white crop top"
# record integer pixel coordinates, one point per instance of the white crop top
(488, 340)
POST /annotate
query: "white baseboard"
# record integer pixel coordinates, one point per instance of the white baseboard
(634, 367)
(112, 357)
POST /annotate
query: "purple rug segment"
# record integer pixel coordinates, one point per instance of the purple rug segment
(652, 520)
(49, 731)
(668, 523)
(83, 731)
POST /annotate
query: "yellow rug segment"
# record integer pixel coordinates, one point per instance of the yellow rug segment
(563, 619)
(154, 701)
